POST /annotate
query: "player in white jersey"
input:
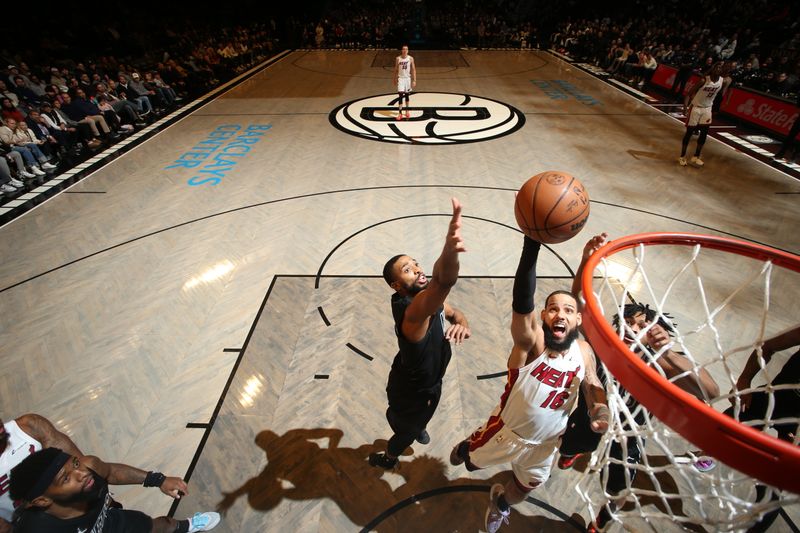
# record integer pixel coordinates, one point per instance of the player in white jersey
(405, 77)
(697, 108)
(546, 365)
(18, 439)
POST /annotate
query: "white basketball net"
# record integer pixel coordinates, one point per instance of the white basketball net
(722, 321)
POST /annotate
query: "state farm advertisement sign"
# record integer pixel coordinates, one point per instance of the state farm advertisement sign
(775, 115)
(664, 77)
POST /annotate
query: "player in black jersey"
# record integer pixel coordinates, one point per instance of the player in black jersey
(785, 401)
(579, 438)
(62, 493)
(419, 309)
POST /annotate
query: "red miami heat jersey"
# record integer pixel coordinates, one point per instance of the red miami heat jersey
(20, 445)
(539, 396)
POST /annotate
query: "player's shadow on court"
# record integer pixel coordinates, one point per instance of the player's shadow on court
(309, 464)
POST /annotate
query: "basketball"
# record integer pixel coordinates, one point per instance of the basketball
(552, 207)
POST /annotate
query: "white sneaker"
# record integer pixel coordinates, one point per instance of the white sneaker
(48, 166)
(7, 188)
(27, 175)
(494, 516)
(682, 161)
(38, 171)
(697, 161)
(203, 521)
(16, 183)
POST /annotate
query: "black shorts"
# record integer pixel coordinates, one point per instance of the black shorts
(615, 480)
(127, 521)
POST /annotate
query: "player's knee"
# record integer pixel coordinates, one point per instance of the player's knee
(164, 524)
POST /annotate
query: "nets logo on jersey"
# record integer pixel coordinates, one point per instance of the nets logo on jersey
(435, 118)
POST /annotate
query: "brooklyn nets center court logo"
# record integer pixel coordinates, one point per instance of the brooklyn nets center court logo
(436, 118)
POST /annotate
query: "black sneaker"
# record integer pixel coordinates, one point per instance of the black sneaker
(423, 437)
(456, 455)
(603, 518)
(380, 459)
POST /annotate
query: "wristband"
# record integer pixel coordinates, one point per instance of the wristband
(154, 479)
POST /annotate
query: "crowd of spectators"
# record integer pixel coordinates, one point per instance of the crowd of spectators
(57, 113)
(763, 55)
(758, 40)
(59, 105)
(447, 25)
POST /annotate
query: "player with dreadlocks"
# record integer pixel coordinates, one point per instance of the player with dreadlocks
(647, 333)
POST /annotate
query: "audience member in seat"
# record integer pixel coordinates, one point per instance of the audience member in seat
(165, 94)
(8, 186)
(5, 92)
(62, 127)
(9, 110)
(15, 158)
(37, 125)
(84, 112)
(124, 108)
(151, 94)
(126, 90)
(31, 153)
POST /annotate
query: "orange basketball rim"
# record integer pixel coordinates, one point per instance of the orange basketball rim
(744, 448)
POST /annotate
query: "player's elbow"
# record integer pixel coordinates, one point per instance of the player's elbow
(523, 339)
(711, 388)
(444, 282)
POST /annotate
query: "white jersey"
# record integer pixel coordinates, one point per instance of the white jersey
(539, 396)
(404, 66)
(705, 96)
(20, 445)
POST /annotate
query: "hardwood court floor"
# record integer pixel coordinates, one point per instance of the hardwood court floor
(123, 313)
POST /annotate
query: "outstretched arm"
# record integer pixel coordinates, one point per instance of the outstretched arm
(120, 474)
(594, 392)
(700, 384)
(753, 366)
(591, 246)
(443, 277)
(45, 432)
(525, 330)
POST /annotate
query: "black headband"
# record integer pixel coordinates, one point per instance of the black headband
(48, 475)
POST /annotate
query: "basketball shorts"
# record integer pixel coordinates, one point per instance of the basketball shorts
(403, 85)
(530, 461)
(127, 521)
(699, 116)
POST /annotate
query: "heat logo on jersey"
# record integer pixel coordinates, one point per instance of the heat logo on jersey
(435, 118)
(554, 378)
